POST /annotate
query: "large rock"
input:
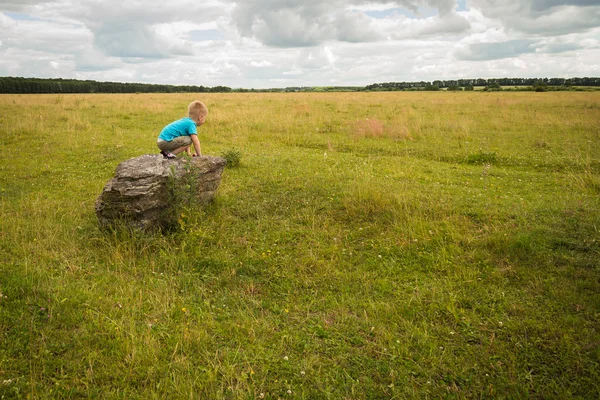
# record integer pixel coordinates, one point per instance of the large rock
(146, 191)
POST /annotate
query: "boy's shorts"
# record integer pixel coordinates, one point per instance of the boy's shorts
(176, 143)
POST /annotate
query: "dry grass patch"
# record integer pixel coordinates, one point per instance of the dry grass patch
(302, 110)
(369, 128)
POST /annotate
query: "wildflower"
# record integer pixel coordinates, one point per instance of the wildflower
(302, 373)
(261, 396)
(289, 391)
(185, 310)
(286, 358)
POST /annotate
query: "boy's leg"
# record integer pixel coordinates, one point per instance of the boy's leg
(176, 145)
(180, 150)
(162, 145)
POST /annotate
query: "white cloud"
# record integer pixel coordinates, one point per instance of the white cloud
(543, 17)
(265, 43)
(259, 64)
(316, 58)
(91, 59)
(289, 23)
(6, 23)
(431, 27)
(17, 5)
(497, 50)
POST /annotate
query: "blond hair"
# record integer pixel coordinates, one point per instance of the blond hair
(196, 109)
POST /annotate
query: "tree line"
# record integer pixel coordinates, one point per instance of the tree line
(58, 85)
(490, 84)
(39, 85)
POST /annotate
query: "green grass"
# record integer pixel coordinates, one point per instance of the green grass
(368, 245)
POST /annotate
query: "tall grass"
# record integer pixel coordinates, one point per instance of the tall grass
(447, 248)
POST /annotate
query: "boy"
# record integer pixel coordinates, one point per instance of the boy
(179, 135)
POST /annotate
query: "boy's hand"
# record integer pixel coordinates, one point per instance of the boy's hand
(196, 143)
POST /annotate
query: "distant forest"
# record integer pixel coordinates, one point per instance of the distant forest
(39, 85)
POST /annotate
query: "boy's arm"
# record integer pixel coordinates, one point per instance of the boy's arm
(196, 143)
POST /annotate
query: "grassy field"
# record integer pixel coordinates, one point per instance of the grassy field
(369, 245)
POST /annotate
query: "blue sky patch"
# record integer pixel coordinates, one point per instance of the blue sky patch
(21, 16)
(462, 5)
(422, 12)
(202, 35)
(380, 14)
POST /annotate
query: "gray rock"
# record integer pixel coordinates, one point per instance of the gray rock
(146, 191)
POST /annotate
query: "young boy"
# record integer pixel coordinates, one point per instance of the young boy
(179, 135)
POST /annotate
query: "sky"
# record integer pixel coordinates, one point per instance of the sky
(288, 43)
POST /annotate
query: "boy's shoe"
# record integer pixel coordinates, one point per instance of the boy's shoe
(168, 155)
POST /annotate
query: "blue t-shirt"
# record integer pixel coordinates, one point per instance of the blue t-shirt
(182, 127)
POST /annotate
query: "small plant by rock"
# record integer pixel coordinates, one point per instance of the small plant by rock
(233, 157)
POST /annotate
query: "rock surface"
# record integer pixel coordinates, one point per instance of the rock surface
(146, 190)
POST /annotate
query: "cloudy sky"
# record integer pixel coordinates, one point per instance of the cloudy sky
(280, 43)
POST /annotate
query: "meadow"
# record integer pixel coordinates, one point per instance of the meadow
(367, 246)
